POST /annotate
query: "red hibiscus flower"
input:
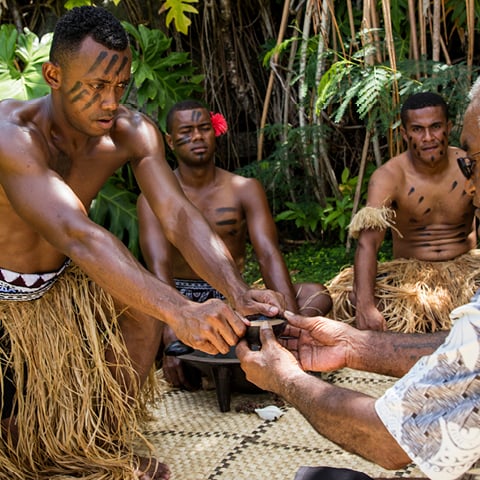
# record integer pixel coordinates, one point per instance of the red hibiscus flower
(219, 123)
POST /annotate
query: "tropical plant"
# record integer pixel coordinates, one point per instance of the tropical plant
(21, 59)
(161, 77)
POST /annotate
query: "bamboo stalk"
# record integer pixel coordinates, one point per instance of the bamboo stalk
(436, 31)
(413, 29)
(422, 14)
(268, 94)
(358, 187)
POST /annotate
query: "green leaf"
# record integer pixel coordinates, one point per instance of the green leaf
(176, 12)
(76, 3)
(115, 208)
(21, 59)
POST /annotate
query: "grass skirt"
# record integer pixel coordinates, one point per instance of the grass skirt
(73, 419)
(414, 296)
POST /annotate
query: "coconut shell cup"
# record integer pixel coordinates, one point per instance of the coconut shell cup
(278, 325)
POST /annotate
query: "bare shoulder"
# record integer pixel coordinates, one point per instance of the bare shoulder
(136, 130)
(246, 186)
(21, 126)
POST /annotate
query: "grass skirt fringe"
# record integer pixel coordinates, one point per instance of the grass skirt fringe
(415, 296)
(73, 419)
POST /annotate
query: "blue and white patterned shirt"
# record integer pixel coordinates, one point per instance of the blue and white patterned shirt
(433, 412)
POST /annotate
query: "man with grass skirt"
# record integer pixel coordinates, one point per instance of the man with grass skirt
(419, 195)
(81, 319)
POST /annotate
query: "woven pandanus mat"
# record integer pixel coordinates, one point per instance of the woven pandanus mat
(199, 442)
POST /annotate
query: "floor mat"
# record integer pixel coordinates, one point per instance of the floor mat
(199, 442)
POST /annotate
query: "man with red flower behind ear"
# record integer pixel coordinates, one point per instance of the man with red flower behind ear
(234, 206)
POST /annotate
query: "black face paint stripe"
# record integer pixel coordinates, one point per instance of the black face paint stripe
(421, 199)
(111, 63)
(122, 65)
(183, 140)
(76, 98)
(195, 115)
(97, 62)
(76, 87)
(454, 185)
(428, 210)
(94, 99)
(411, 190)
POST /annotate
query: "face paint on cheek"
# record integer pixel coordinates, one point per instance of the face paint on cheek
(454, 185)
(94, 100)
(76, 98)
(97, 62)
(111, 63)
(122, 65)
(76, 87)
(182, 141)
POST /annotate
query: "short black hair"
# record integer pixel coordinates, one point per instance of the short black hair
(81, 22)
(179, 107)
(422, 100)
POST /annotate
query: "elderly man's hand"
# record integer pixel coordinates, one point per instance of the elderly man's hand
(270, 367)
(322, 344)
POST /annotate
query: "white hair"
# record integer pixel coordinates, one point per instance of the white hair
(475, 91)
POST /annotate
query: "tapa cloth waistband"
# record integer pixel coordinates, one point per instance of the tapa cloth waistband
(197, 290)
(23, 287)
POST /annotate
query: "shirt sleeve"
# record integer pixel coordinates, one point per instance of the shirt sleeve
(433, 411)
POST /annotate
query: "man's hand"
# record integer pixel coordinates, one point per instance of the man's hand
(212, 327)
(370, 319)
(270, 367)
(266, 302)
(322, 344)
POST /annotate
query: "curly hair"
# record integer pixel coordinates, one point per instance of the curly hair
(422, 100)
(81, 22)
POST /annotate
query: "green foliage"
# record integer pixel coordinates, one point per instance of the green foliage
(369, 89)
(176, 12)
(161, 77)
(312, 262)
(306, 215)
(338, 212)
(21, 59)
(333, 219)
(115, 209)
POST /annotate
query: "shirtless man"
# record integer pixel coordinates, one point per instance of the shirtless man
(430, 416)
(419, 194)
(234, 206)
(69, 414)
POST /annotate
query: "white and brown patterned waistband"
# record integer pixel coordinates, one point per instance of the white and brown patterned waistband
(23, 287)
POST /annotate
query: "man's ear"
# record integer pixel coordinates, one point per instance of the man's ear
(403, 132)
(52, 74)
(168, 139)
(449, 127)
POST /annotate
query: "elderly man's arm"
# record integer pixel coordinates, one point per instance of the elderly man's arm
(345, 417)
